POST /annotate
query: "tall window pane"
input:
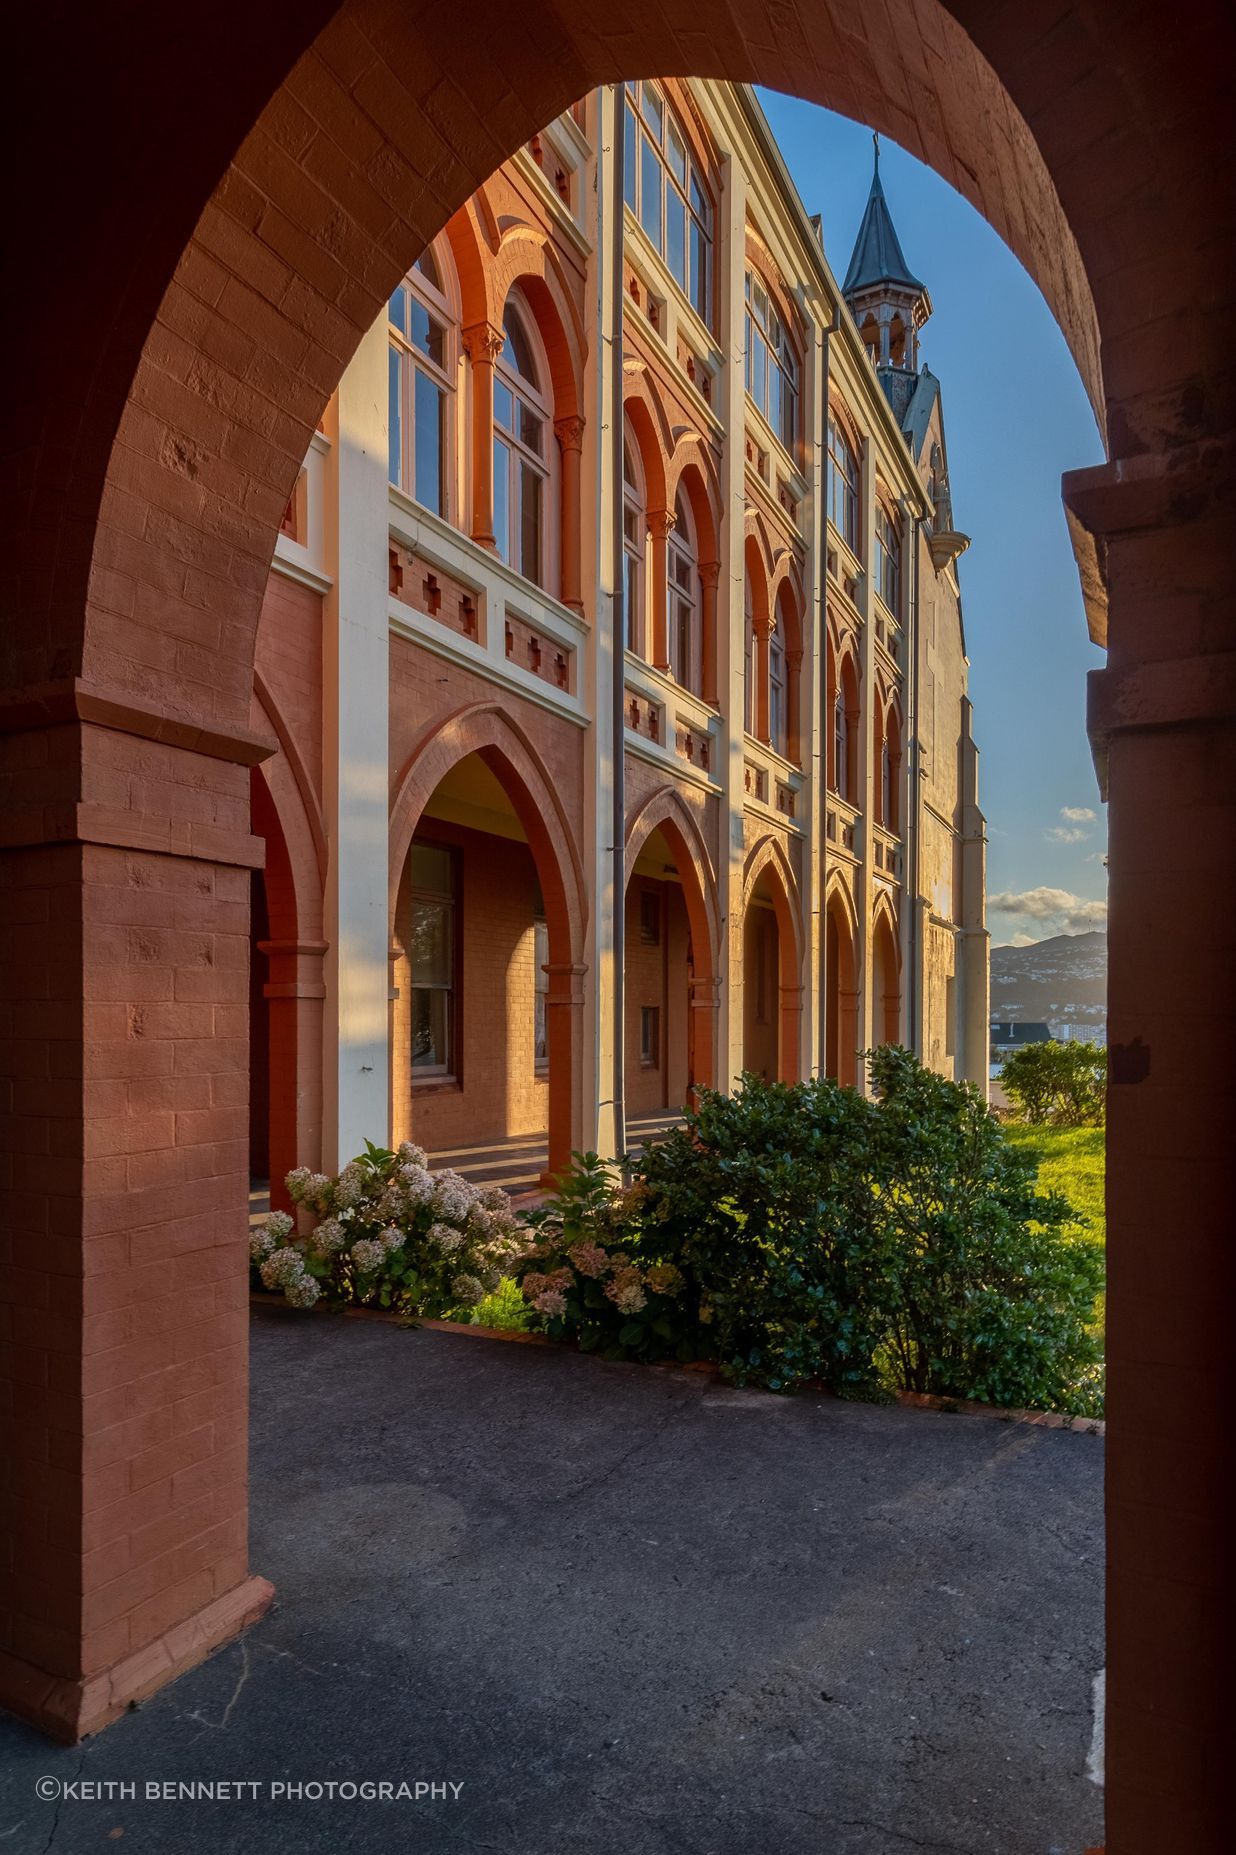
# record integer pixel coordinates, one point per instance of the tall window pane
(431, 953)
(502, 498)
(630, 157)
(676, 237)
(530, 523)
(650, 190)
(394, 419)
(428, 426)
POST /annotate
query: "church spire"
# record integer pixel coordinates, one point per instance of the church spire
(888, 301)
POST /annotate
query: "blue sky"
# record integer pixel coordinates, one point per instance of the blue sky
(1016, 417)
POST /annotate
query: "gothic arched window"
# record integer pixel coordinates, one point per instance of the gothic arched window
(423, 344)
(634, 545)
(523, 452)
(842, 496)
(684, 599)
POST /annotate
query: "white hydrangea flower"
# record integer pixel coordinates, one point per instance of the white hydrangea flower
(297, 1182)
(283, 1268)
(328, 1239)
(411, 1154)
(367, 1254)
(467, 1288)
(446, 1237)
(349, 1186)
(261, 1245)
(302, 1293)
(495, 1198)
(392, 1238)
(418, 1186)
(279, 1224)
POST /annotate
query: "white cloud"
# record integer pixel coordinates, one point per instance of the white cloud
(1078, 814)
(1065, 834)
(1052, 911)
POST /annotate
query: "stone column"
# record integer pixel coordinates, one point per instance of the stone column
(564, 1022)
(294, 991)
(790, 1000)
(1162, 719)
(483, 344)
(762, 626)
(731, 620)
(709, 573)
(356, 709)
(570, 435)
(126, 862)
(660, 528)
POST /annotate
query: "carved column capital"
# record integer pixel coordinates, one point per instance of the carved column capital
(570, 432)
(661, 523)
(709, 572)
(483, 343)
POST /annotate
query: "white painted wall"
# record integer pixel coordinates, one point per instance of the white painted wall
(356, 710)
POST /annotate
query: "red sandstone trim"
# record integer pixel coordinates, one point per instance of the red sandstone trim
(69, 1710)
(52, 704)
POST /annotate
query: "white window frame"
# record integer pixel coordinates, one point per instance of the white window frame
(653, 125)
(533, 396)
(437, 301)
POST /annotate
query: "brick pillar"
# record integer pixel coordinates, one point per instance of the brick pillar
(294, 992)
(124, 949)
(564, 1028)
(705, 1009)
(1163, 723)
(791, 1005)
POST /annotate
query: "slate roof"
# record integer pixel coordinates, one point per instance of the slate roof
(878, 257)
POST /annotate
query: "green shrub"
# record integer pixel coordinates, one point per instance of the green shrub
(390, 1234)
(745, 1238)
(1061, 1083)
(989, 1285)
(803, 1232)
(763, 1200)
(591, 1274)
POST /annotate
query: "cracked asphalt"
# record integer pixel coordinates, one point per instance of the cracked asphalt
(631, 1612)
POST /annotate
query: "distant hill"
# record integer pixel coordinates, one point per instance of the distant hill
(1058, 981)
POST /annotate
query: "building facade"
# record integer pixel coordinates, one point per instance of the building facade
(614, 652)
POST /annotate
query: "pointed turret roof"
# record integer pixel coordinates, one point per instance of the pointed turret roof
(878, 257)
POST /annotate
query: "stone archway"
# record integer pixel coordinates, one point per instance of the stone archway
(842, 988)
(487, 731)
(768, 867)
(666, 811)
(151, 447)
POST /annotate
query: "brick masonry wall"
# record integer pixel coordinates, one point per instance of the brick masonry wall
(497, 1091)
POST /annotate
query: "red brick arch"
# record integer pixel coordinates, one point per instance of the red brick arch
(485, 729)
(767, 858)
(150, 449)
(667, 811)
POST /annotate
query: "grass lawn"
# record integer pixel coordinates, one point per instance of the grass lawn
(1070, 1160)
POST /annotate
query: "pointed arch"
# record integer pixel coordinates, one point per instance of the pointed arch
(487, 730)
(666, 811)
(842, 983)
(768, 861)
(885, 974)
(288, 956)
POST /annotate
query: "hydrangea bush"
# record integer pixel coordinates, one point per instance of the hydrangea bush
(587, 1274)
(389, 1233)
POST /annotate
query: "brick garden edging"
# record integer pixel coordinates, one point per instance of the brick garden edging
(909, 1400)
